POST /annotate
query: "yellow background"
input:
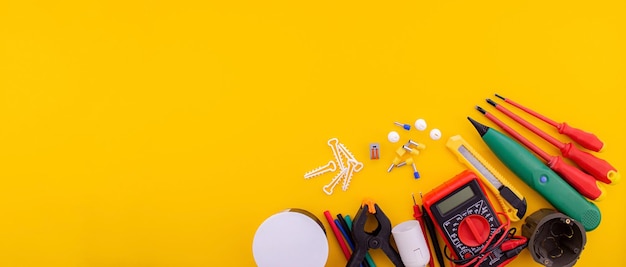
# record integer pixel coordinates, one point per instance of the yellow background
(162, 133)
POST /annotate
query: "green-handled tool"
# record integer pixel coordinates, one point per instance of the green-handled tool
(541, 178)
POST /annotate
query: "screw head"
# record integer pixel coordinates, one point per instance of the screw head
(435, 134)
(393, 137)
(374, 243)
(420, 124)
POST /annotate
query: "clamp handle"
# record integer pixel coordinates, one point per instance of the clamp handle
(379, 238)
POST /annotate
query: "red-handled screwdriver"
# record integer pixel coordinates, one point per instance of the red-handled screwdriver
(585, 184)
(417, 214)
(585, 139)
(598, 168)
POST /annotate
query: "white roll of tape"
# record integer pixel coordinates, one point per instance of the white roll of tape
(291, 238)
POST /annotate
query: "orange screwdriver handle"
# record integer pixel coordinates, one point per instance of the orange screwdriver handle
(598, 168)
(584, 183)
(585, 139)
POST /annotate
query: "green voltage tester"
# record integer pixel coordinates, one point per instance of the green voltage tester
(541, 178)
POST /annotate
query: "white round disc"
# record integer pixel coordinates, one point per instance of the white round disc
(290, 239)
(420, 124)
(435, 134)
(393, 137)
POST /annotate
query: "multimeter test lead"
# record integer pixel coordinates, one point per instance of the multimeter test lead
(598, 168)
(433, 235)
(539, 177)
(584, 183)
(470, 226)
(585, 139)
(418, 215)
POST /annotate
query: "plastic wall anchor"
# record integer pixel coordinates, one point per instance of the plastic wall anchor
(329, 167)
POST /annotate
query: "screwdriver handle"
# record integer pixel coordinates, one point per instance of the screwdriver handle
(598, 168)
(542, 179)
(584, 183)
(585, 139)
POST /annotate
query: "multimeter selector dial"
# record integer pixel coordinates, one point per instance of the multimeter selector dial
(474, 230)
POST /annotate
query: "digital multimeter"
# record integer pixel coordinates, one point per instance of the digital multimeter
(464, 216)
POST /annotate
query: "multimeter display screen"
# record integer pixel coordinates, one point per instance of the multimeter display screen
(455, 200)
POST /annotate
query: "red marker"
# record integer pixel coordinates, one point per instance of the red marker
(598, 168)
(585, 184)
(585, 139)
(338, 235)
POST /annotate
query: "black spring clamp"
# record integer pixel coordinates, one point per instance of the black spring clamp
(377, 239)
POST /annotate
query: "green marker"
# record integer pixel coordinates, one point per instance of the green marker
(541, 178)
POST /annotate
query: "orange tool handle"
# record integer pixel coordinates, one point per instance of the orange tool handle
(585, 139)
(585, 184)
(598, 168)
